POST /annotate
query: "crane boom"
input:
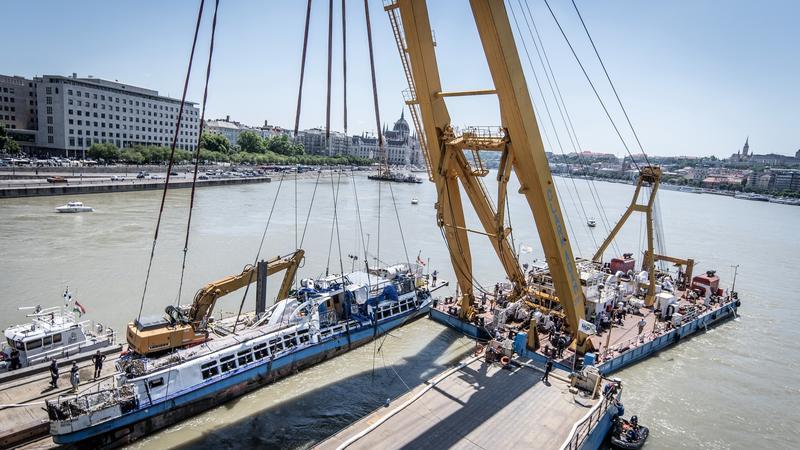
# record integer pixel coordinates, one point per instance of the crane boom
(519, 142)
(180, 330)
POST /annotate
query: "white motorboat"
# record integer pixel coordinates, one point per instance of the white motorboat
(414, 201)
(53, 333)
(74, 207)
(592, 223)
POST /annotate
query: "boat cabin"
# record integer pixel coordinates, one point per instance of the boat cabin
(38, 341)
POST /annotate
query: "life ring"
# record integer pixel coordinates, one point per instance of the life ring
(505, 360)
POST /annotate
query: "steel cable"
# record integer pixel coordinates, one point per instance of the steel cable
(172, 155)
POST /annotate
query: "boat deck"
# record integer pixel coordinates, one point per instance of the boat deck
(22, 423)
(610, 343)
(476, 405)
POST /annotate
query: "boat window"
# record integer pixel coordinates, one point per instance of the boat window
(209, 369)
(245, 357)
(30, 345)
(227, 363)
(155, 382)
(260, 351)
(56, 338)
(48, 340)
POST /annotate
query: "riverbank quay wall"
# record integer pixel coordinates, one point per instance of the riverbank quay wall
(123, 186)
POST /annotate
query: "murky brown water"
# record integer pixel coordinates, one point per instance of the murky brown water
(734, 387)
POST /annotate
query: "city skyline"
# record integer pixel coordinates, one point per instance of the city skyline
(728, 76)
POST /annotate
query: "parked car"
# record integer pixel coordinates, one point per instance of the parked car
(56, 180)
(156, 176)
(117, 178)
(202, 177)
(142, 175)
(173, 173)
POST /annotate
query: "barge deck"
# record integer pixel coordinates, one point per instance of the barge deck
(483, 405)
(20, 424)
(618, 346)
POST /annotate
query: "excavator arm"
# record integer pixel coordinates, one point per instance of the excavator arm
(179, 330)
(205, 299)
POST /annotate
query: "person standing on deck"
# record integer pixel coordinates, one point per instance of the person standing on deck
(642, 323)
(434, 275)
(548, 366)
(14, 360)
(74, 376)
(54, 373)
(98, 359)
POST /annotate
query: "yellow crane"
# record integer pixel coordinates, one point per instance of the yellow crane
(181, 330)
(518, 140)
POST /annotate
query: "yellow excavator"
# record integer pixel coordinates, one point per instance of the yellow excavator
(181, 329)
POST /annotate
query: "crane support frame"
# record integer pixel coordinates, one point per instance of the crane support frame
(522, 152)
(648, 176)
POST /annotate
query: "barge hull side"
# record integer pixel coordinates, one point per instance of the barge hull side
(126, 429)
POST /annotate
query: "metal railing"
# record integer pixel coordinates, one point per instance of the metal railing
(583, 428)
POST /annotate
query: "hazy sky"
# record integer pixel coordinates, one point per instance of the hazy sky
(697, 77)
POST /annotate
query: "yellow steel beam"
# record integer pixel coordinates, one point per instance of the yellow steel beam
(452, 163)
(530, 162)
(435, 119)
(649, 175)
(466, 93)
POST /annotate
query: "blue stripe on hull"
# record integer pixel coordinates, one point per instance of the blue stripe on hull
(459, 325)
(299, 359)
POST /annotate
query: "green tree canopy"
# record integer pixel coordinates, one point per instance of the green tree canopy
(215, 142)
(283, 146)
(7, 143)
(251, 142)
(107, 152)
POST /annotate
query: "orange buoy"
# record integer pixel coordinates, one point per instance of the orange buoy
(505, 360)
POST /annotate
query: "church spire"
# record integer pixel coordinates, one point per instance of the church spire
(402, 113)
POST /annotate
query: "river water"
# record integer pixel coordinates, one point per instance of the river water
(733, 387)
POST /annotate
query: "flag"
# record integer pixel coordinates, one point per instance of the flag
(420, 261)
(78, 308)
(587, 328)
(67, 297)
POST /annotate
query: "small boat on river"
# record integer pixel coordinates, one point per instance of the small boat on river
(74, 207)
(628, 434)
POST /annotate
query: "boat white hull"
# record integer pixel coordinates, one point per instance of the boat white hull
(114, 428)
(74, 209)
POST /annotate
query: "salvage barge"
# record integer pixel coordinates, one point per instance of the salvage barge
(325, 318)
(625, 315)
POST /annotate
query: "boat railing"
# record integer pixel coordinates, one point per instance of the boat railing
(583, 428)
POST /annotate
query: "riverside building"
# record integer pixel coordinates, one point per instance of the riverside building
(74, 113)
